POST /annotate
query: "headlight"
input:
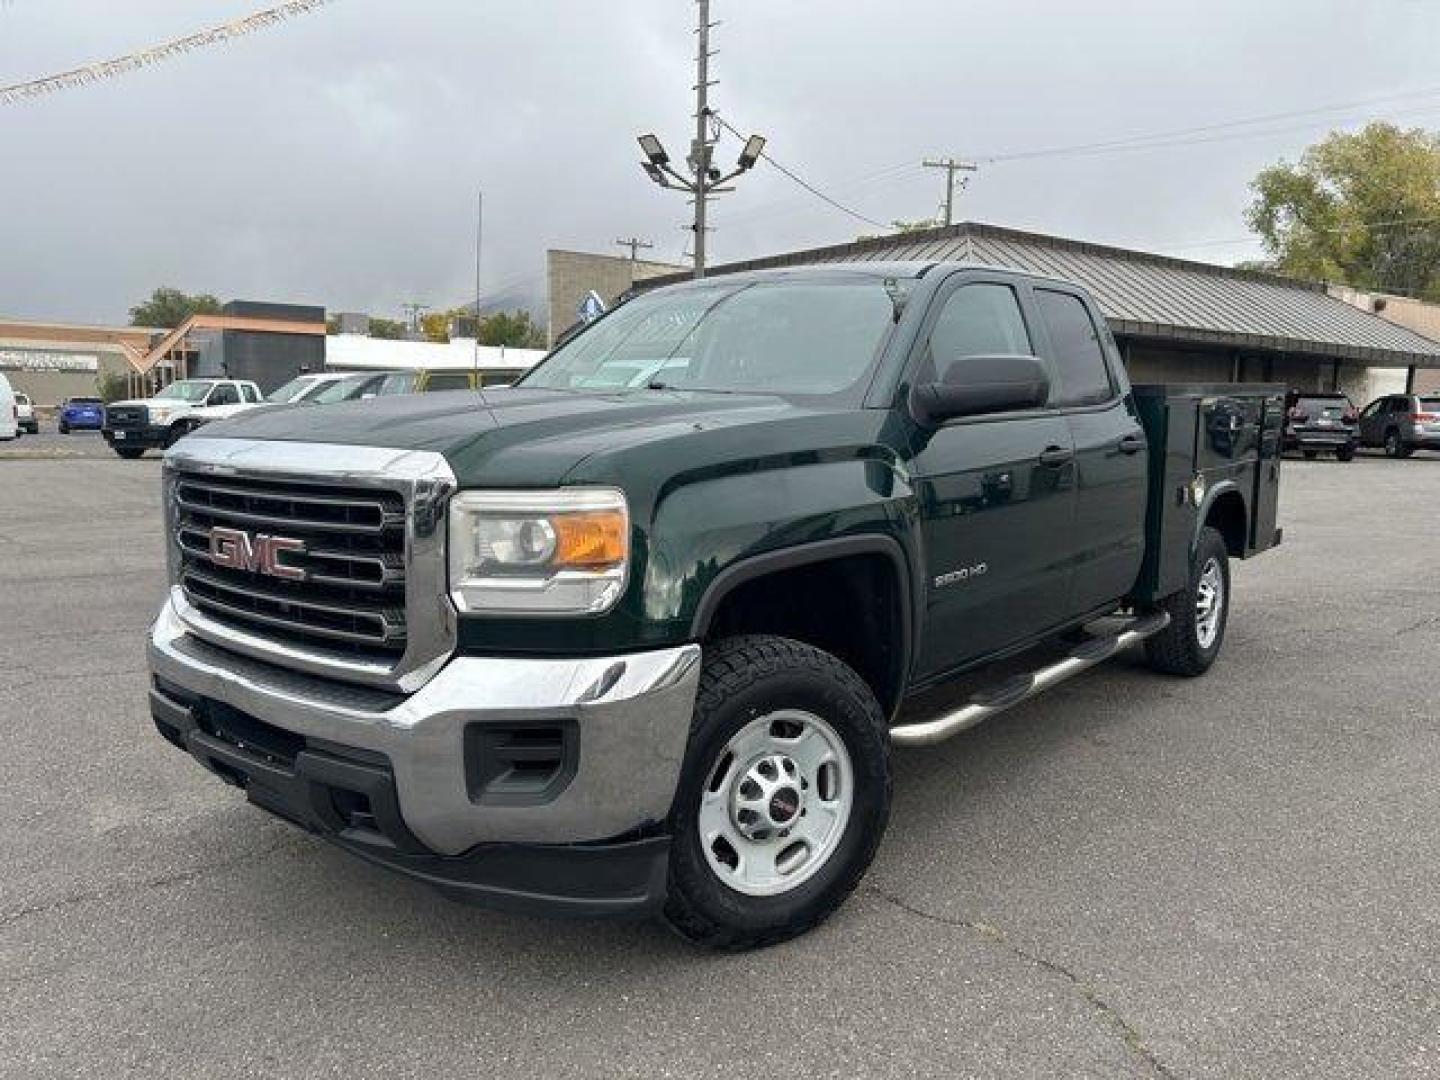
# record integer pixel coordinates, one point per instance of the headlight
(564, 552)
(157, 413)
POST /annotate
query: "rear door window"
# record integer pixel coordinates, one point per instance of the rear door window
(224, 395)
(1323, 408)
(448, 381)
(1075, 342)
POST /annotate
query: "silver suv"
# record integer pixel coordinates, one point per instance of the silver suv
(1402, 424)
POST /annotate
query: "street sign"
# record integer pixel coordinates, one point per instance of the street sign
(592, 306)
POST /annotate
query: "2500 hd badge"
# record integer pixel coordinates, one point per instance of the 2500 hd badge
(637, 635)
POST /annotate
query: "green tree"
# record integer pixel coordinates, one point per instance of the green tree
(112, 386)
(169, 308)
(902, 227)
(1360, 208)
(514, 329)
(390, 329)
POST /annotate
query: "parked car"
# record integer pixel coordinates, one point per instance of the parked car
(132, 427)
(9, 413)
(1316, 421)
(430, 381)
(642, 650)
(25, 414)
(1402, 424)
(361, 385)
(302, 387)
(81, 414)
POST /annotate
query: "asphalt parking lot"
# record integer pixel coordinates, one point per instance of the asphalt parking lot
(49, 443)
(1132, 876)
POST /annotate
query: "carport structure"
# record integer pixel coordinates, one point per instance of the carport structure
(1174, 319)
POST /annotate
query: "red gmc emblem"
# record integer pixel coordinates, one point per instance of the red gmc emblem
(259, 553)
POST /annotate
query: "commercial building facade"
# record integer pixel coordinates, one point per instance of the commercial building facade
(571, 275)
(52, 361)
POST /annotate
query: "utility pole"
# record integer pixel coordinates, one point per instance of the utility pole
(705, 180)
(635, 244)
(700, 148)
(414, 311)
(951, 167)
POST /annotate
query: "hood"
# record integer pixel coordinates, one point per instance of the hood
(128, 402)
(508, 437)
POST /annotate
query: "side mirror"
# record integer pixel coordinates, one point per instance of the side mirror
(977, 385)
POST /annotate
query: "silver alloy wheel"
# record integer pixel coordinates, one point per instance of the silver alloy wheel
(776, 803)
(1209, 603)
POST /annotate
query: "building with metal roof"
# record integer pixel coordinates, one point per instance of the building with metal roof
(1176, 319)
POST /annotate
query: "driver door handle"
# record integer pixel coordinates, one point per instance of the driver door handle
(1056, 455)
(1132, 444)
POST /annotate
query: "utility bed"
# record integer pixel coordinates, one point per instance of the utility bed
(1208, 441)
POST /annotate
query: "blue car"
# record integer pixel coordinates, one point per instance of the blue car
(81, 414)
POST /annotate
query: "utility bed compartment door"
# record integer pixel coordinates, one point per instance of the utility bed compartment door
(1203, 440)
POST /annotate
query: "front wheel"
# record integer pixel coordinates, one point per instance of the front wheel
(783, 797)
(1198, 613)
(1345, 453)
(129, 453)
(64, 430)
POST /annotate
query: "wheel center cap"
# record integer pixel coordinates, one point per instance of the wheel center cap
(783, 805)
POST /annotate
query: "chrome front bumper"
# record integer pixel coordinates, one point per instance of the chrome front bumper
(632, 711)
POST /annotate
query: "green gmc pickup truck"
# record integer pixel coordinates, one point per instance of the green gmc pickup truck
(638, 634)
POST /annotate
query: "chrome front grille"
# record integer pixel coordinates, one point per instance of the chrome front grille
(351, 597)
(359, 533)
(126, 416)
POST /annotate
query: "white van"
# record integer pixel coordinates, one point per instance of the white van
(9, 413)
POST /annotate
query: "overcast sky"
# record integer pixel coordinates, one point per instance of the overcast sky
(335, 159)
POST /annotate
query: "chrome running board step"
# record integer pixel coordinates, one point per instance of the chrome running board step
(1012, 692)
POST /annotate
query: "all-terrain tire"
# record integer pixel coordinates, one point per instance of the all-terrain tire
(745, 679)
(1183, 648)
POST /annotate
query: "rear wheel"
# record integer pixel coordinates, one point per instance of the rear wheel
(1198, 613)
(1395, 446)
(129, 453)
(783, 797)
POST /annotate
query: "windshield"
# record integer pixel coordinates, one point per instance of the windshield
(339, 390)
(773, 337)
(289, 391)
(184, 390)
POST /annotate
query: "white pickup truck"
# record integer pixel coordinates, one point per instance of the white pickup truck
(132, 427)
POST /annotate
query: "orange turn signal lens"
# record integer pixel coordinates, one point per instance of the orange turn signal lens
(590, 539)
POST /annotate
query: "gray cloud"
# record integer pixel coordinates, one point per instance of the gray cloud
(335, 159)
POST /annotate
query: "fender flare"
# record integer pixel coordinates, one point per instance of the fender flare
(769, 562)
(1212, 495)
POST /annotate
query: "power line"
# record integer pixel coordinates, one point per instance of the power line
(1136, 141)
(121, 65)
(804, 183)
